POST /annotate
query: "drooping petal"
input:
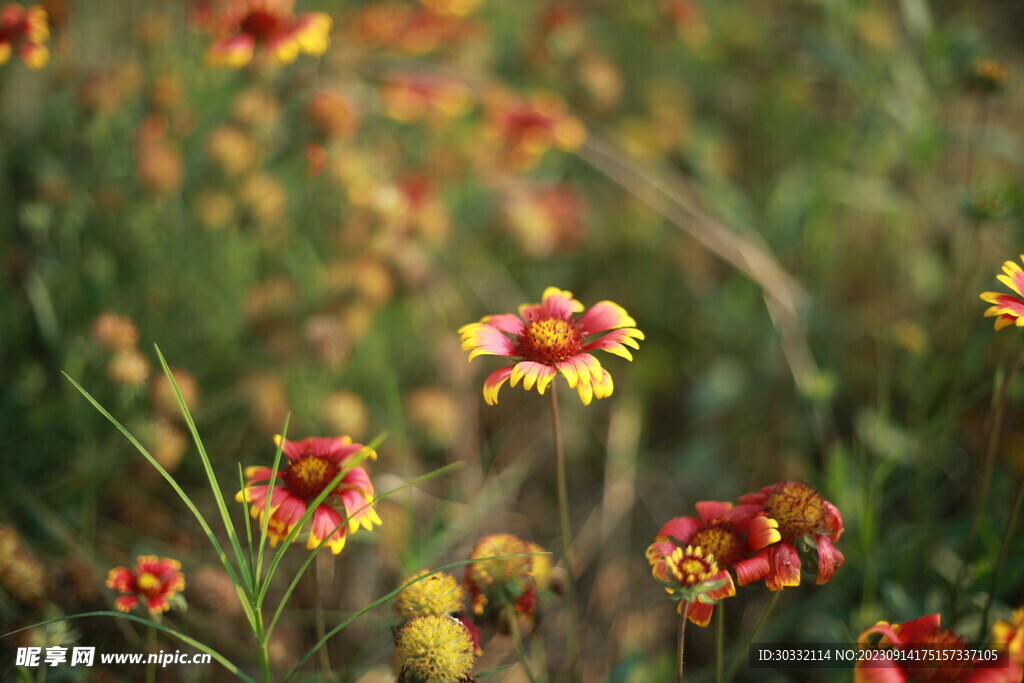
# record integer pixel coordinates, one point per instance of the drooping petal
(492, 385)
(828, 559)
(254, 474)
(327, 523)
(605, 387)
(751, 569)
(481, 339)
(711, 509)
(680, 529)
(616, 341)
(568, 370)
(726, 590)
(785, 566)
(1013, 276)
(605, 315)
(833, 521)
(125, 603)
(121, 579)
(698, 612)
(763, 531)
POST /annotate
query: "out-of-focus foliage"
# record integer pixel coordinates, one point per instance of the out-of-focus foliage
(307, 238)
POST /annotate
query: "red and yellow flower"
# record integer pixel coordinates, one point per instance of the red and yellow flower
(527, 128)
(921, 635)
(804, 518)
(692, 576)
(728, 533)
(550, 340)
(1011, 633)
(243, 27)
(1007, 309)
(313, 464)
(23, 31)
(154, 580)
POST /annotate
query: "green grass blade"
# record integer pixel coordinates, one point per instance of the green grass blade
(216, 656)
(248, 534)
(295, 580)
(385, 598)
(221, 555)
(218, 496)
(265, 521)
(355, 460)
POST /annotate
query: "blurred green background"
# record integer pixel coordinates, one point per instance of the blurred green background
(799, 203)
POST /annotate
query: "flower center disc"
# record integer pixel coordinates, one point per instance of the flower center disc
(692, 569)
(723, 543)
(550, 341)
(147, 583)
(309, 475)
(798, 509)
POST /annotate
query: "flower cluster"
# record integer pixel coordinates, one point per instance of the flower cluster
(24, 32)
(245, 27)
(312, 465)
(154, 581)
(550, 340)
(696, 558)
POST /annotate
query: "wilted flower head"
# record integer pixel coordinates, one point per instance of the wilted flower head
(804, 517)
(312, 465)
(436, 595)
(550, 340)
(23, 31)
(128, 367)
(244, 27)
(729, 533)
(434, 649)
(1006, 308)
(916, 638)
(495, 584)
(22, 575)
(154, 580)
(691, 576)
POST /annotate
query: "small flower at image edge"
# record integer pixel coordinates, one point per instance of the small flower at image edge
(804, 518)
(312, 465)
(154, 581)
(244, 26)
(550, 340)
(924, 634)
(23, 32)
(729, 533)
(1006, 308)
(1012, 634)
(434, 649)
(692, 576)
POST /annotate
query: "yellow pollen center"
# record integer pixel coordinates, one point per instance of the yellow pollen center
(723, 543)
(692, 566)
(307, 476)
(147, 582)
(549, 340)
(798, 508)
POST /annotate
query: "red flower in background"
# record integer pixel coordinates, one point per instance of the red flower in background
(913, 640)
(244, 26)
(23, 32)
(154, 580)
(805, 518)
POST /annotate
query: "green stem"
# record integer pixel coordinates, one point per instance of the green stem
(753, 634)
(720, 642)
(321, 629)
(151, 649)
(572, 645)
(683, 607)
(986, 477)
(517, 641)
(263, 640)
(1011, 523)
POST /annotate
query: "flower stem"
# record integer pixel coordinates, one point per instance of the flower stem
(517, 641)
(262, 641)
(151, 649)
(318, 611)
(1004, 546)
(753, 634)
(572, 645)
(995, 434)
(720, 642)
(683, 607)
